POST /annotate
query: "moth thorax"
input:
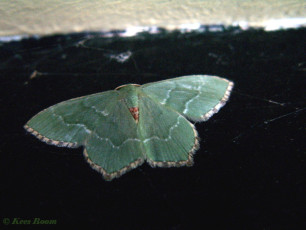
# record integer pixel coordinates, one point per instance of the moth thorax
(135, 113)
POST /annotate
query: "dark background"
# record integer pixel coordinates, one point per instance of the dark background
(249, 170)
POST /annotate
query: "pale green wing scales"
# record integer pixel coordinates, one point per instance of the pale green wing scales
(100, 122)
(197, 97)
(120, 129)
(168, 138)
(114, 147)
(69, 122)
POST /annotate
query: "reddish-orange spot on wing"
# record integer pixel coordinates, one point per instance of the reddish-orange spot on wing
(135, 113)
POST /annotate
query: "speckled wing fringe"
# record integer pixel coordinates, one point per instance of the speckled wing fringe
(188, 162)
(222, 102)
(49, 141)
(109, 176)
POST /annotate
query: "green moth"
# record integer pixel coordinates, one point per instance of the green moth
(122, 128)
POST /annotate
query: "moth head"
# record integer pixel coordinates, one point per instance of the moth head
(127, 85)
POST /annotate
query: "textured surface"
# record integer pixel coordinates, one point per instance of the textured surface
(49, 17)
(197, 101)
(114, 142)
(248, 174)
